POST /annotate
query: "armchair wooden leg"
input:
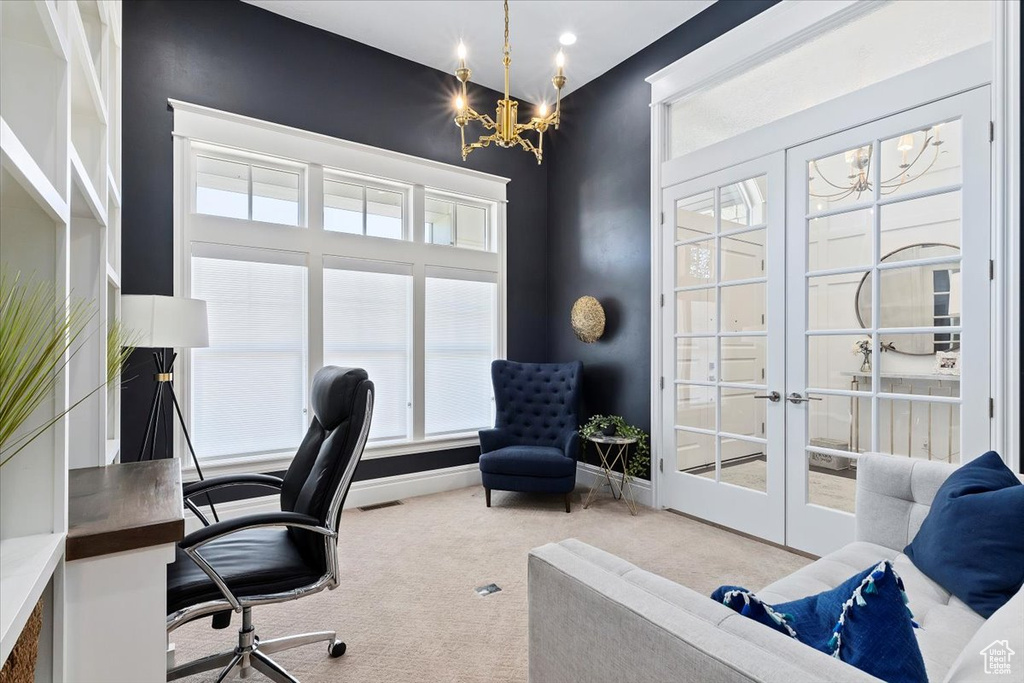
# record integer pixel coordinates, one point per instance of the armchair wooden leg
(568, 501)
(487, 496)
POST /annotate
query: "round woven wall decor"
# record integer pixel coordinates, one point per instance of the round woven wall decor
(587, 319)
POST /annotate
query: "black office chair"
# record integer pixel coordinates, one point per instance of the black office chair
(264, 558)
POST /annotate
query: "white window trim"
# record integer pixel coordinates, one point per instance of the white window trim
(250, 139)
(790, 23)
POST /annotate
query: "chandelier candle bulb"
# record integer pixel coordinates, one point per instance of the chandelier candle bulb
(508, 132)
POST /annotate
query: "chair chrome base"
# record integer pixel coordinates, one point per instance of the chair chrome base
(252, 652)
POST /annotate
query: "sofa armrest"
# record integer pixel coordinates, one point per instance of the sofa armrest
(493, 439)
(594, 617)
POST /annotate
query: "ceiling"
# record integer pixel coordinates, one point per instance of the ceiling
(428, 31)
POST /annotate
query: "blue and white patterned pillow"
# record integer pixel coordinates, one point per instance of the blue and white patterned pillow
(865, 621)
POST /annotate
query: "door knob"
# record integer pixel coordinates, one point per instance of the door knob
(773, 396)
(797, 398)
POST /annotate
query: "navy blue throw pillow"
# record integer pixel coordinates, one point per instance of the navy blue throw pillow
(865, 622)
(972, 541)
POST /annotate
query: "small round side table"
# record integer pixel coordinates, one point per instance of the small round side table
(612, 450)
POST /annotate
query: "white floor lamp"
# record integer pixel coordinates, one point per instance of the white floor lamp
(163, 323)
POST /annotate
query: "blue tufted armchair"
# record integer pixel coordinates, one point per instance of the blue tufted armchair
(534, 443)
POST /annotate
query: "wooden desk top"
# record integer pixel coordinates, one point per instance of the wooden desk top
(127, 506)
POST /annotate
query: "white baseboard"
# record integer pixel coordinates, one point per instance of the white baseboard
(361, 493)
(587, 475)
(386, 489)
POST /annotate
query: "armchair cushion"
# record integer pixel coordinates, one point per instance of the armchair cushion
(252, 562)
(531, 461)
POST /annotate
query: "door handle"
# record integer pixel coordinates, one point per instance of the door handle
(797, 398)
(773, 396)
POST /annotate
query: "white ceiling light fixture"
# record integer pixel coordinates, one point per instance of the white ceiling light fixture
(567, 39)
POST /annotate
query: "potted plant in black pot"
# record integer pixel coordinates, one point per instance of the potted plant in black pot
(639, 461)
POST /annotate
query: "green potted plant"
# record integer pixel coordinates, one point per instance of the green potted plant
(39, 335)
(639, 461)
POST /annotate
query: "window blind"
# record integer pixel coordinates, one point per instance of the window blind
(368, 324)
(248, 388)
(461, 324)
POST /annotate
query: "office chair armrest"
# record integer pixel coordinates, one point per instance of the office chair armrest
(297, 520)
(493, 439)
(206, 485)
(197, 539)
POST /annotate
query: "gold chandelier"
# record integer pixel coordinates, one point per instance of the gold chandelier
(505, 124)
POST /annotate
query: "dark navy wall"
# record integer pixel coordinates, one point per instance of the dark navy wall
(599, 216)
(238, 58)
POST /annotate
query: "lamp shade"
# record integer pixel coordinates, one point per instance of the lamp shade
(161, 322)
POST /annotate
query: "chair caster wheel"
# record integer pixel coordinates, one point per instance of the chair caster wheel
(336, 649)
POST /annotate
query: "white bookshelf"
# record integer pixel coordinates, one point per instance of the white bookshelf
(60, 219)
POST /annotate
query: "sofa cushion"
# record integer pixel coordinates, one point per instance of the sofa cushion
(947, 624)
(863, 621)
(532, 461)
(966, 542)
(981, 659)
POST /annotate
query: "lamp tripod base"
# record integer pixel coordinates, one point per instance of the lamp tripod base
(164, 379)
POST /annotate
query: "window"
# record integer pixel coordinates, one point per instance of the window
(248, 389)
(363, 210)
(234, 188)
(368, 324)
(396, 269)
(461, 317)
(450, 222)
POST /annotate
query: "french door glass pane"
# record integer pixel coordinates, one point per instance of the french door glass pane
(695, 311)
(919, 429)
(742, 414)
(743, 256)
(384, 213)
(695, 453)
(835, 361)
(275, 196)
(695, 406)
(368, 324)
(743, 359)
(744, 463)
(695, 216)
(922, 160)
(831, 302)
(832, 481)
(842, 240)
(695, 264)
(695, 359)
(909, 225)
(920, 296)
(840, 423)
(744, 204)
(840, 179)
(343, 207)
(461, 324)
(248, 387)
(222, 188)
(743, 308)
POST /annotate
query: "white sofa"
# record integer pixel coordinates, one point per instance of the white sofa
(595, 618)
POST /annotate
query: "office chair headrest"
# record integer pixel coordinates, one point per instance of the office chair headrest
(334, 394)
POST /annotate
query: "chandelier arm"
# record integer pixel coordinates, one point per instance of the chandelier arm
(906, 171)
(837, 196)
(826, 180)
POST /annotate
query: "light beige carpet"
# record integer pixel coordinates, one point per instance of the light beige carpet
(406, 605)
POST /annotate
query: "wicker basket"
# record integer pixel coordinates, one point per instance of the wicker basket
(20, 666)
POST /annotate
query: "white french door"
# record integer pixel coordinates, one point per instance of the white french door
(723, 254)
(887, 247)
(822, 302)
